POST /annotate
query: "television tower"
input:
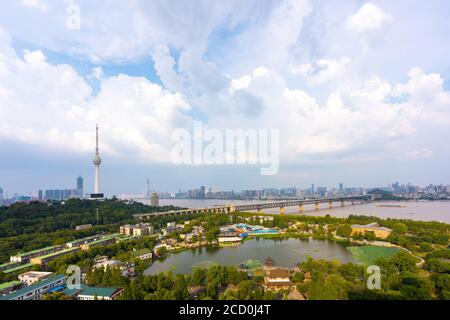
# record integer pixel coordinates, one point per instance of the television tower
(97, 161)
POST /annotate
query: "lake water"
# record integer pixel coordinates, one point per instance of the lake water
(285, 253)
(416, 210)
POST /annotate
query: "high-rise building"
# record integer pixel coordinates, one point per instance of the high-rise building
(1, 194)
(147, 188)
(154, 200)
(97, 161)
(341, 187)
(312, 188)
(60, 194)
(80, 183)
(202, 192)
(80, 187)
(40, 195)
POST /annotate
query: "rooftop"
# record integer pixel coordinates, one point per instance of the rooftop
(33, 287)
(21, 254)
(99, 291)
(21, 267)
(141, 251)
(228, 234)
(278, 273)
(372, 225)
(5, 285)
(59, 252)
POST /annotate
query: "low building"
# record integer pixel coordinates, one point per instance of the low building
(379, 232)
(99, 293)
(79, 242)
(100, 242)
(127, 268)
(143, 254)
(9, 265)
(140, 229)
(269, 264)
(277, 278)
(43, 260)
(27, 256)
(158, 247)
(7, 287)
(32, 277)
(265, 218)
(37, 290)
(228, 237)
(188, 237)
(83, 227)
(154, 201)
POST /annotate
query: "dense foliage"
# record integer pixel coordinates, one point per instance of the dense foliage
(29, 226)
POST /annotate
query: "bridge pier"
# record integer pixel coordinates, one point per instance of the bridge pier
(353, 202)
(342, 203)
(282, 210)
(317, 206)
(260, 210)
(330, 205)
(301, 208)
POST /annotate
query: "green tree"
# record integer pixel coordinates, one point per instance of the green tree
(400, 228)
(344, 231)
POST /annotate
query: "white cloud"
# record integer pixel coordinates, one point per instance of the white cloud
(368, 17)
(347, 113)
(420, 153)
(51, 106)
(36, 4)
(322, 71)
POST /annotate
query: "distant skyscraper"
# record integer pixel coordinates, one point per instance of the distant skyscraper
(80, 186)
(1, 194)
(147, 188)
(202, 192)
(341, 187)
(97, 161)
(40, 195)
(312, 188)
(154, 200)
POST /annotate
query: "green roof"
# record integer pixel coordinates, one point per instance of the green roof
(99, 291)
(73, 292)
(7, 264)
(23, 266)
(9, 284)
(33, 287)
(84, 239)
(106, 238)
(59, 252)
(36, 251)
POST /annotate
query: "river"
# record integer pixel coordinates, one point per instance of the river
(415, 210)
(285, 253)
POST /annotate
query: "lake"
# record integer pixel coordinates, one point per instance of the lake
(415, 210)
(285, 253)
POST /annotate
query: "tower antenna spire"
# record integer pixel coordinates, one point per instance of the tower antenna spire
(96, 140)
(97, 161)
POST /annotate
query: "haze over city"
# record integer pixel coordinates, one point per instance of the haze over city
(359, 91)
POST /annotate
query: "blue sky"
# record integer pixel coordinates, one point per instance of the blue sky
(359, 90)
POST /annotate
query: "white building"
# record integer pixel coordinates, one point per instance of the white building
(228, 237)
(36, 290)
(32, 277)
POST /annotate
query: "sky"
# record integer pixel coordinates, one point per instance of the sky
(359, 91)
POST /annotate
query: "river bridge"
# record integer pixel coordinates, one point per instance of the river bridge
(263, 205)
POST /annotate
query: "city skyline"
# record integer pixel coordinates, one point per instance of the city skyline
(350, 106)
